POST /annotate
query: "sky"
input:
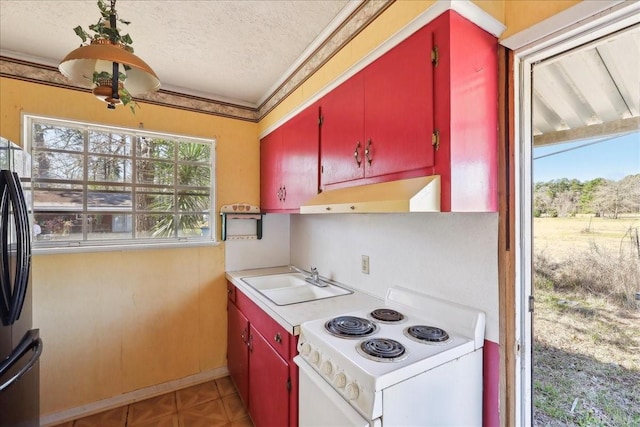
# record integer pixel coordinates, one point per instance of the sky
(613, 158)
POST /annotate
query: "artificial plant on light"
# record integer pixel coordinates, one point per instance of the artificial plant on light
(105, 61)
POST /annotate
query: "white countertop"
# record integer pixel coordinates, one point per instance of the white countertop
(291, 316)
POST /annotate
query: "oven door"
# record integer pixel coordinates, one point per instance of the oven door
(320, 405)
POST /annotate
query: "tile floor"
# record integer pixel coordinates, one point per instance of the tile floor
(214, 403)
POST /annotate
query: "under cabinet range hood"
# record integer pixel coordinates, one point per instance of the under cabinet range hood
(408, 195)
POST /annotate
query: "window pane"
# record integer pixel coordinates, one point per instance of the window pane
(154, 199)
(102, 168)
(155, 148)
(196, 176)
(57, 226)
(193, 202)
(193, 225)
(160, 173)
(101, 198)
(58, 165)
(156, 225)
(194, 151)
(105, 226)
(57, 137)
(109, 143)
(57, 199)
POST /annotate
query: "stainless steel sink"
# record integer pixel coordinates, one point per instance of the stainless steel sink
(292, 288)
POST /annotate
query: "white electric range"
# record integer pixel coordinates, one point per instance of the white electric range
(413, 360)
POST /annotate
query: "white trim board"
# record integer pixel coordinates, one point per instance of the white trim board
(130, 397)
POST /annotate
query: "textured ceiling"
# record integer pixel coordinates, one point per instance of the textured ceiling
(237, 51)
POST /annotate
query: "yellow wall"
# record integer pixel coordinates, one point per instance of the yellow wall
(118, 321)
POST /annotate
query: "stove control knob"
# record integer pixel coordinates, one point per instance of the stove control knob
(352, 391)
(306, 348)
(340, 380)
(314, 356)
(327, 368)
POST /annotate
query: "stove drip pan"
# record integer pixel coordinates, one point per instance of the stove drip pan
(350, 327)
(382, 350)
(427, 334)
(387, 315)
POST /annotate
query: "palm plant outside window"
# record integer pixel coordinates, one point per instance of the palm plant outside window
(95, 185)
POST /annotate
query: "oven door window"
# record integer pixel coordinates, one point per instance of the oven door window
(322, 406)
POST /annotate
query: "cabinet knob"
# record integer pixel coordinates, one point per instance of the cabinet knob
(278, 338)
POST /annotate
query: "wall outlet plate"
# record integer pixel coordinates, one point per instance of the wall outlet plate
(365, 264)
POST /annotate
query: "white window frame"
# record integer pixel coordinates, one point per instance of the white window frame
(583, 23)
(133, 243)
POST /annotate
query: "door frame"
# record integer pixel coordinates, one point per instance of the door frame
(583, 23)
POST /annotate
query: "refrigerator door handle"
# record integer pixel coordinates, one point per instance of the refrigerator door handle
(30, 341)
(11, 184)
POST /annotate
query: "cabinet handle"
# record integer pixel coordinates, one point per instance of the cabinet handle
(284, 193)
(356, 154)
(278, 338)
(279, 193)
(250, 343)
(243, 335)
(367, 152)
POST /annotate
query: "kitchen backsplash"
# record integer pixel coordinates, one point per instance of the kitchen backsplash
(448, 255)
(271, 250)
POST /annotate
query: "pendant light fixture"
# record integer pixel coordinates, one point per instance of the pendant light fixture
(107, 64)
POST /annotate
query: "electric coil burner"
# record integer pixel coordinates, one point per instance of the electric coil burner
(350, 327)
(411, 360)
(382, 349)
(387, 315)
(428, 334)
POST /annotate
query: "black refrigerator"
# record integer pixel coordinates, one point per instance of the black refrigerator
(20, 343)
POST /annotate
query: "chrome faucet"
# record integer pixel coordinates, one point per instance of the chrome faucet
(314, 279)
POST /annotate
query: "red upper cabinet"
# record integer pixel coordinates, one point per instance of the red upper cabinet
(466, 114)
(271, 156)
(289, 163)
(342, 136)
(379, 122)
(398, 118)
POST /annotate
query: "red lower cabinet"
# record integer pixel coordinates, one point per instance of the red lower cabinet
(238, 350)
(260, 360)
(269, 385)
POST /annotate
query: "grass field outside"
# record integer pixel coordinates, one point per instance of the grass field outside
(586, 322)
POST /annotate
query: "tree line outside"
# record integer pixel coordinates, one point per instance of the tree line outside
(601, 197)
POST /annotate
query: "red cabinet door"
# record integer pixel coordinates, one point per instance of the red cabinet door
(268, 388)
(237, 350)
(270, 171)
(398, 113)
(342, 132)
(300, 150)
